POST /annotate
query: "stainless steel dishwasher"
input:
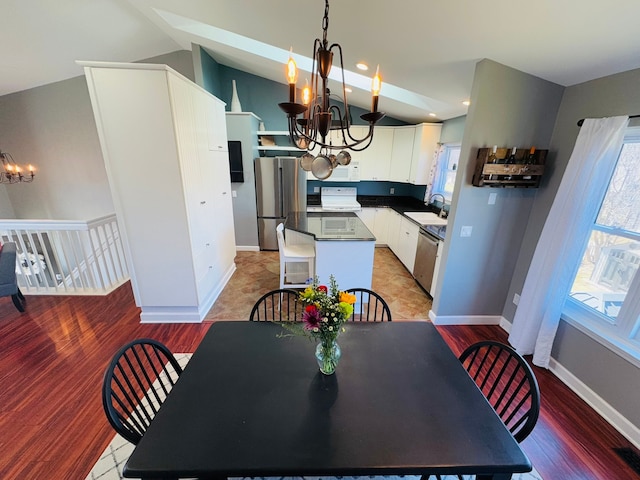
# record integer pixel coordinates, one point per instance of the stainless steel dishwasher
(425, 263)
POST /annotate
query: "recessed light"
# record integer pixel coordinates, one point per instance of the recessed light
(466, 103)
(432, 115)
(362, 66)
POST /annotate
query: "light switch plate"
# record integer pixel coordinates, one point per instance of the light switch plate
(492, 198)
(316, 189)
(465, 231)
(516, 298)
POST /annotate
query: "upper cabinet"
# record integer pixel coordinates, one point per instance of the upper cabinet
(401, 154)
(408, 154)
(376, 159)
(398, 154)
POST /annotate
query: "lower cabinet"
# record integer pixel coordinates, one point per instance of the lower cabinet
(407, 243)
(376, 220)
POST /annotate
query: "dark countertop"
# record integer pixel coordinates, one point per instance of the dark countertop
(329, 226)
(400, 204)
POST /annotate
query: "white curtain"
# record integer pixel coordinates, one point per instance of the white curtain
(557, 255)
(434, 171)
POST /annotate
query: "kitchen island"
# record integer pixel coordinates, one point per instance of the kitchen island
(344, 245)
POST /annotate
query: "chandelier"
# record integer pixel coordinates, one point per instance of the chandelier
(310, 121)
(12, 172)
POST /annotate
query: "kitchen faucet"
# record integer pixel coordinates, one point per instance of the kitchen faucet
(442, 210)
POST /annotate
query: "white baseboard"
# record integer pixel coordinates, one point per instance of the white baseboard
(191, 314)
(247, 248)
(464, 319)
(606, 411)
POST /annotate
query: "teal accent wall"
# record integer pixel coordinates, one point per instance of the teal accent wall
(211, 75)
(259, 95)
(373, 188)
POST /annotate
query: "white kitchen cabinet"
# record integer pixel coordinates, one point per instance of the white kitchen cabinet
(375, 161)
(402, 153)
(393, 232)
(425, 146)
(368, 216)
(407, 243)
(381, 225)
(169, 177)
(375, 218)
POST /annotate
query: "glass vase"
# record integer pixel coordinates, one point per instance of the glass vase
(328, 354)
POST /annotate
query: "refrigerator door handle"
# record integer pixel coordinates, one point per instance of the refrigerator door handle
(280, 206)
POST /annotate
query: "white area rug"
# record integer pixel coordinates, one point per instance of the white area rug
(109, 465)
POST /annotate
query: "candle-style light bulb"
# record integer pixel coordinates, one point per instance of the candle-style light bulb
(306, 93)
(30, 168)
(376, 84)
(292, 76)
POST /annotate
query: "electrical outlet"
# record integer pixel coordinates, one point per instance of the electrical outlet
(516, 299)
(392, 190)
(492, 198)
(465, 231)
(234, 194)
(316, 189)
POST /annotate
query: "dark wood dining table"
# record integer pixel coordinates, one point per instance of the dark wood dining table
(252, 402)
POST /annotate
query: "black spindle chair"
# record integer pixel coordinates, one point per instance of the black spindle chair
(369, 307)
(136, 383)
(279, 305)
(508, 383)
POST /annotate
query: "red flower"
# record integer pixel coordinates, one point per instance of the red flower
(311, 317)
(322, 288)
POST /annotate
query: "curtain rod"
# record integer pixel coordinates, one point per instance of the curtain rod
(581, 121)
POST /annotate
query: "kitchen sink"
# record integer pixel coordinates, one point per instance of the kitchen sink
(426, 218)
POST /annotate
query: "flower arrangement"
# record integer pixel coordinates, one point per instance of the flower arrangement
(325, 311)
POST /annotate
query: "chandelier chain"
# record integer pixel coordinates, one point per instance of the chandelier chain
(325, 23)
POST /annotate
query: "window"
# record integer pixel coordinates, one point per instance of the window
(605, 296)
(446, 170)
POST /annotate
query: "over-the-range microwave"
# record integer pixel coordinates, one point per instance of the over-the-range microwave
(348, 173)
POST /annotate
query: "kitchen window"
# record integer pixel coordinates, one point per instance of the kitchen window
(605, 296)
(445, 176)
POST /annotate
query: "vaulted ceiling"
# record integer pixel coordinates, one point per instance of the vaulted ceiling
(426, 50)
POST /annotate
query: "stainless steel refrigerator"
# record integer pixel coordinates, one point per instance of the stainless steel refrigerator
(281, 188)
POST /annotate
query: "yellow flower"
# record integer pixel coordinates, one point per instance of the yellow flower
(347, 297)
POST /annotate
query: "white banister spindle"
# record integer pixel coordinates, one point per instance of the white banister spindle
(67, 258)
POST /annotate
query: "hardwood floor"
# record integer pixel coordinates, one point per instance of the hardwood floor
(53, 357)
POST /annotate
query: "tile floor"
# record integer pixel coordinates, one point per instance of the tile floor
(259, 272)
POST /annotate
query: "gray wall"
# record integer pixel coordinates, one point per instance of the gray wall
(53, 128)
(243, 127)
(6, 209)
(607, 374)
(453, 130)
(508, 108)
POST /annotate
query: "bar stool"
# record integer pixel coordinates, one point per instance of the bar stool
(291, 257)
